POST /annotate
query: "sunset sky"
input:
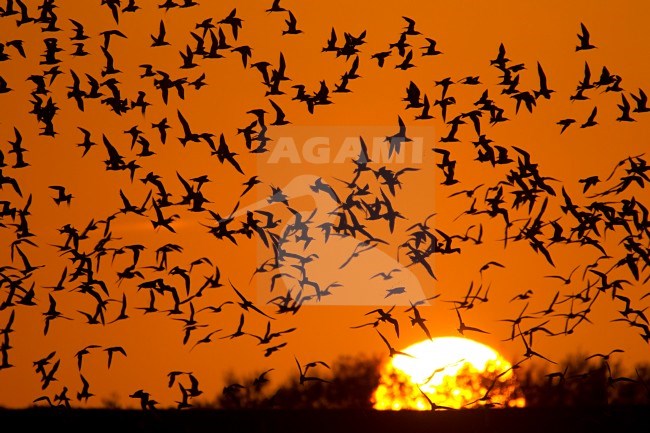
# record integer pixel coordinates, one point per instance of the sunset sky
(315, 148)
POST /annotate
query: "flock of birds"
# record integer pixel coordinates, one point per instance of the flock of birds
(530, 207)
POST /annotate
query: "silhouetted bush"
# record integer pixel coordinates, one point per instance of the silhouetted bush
(581, 382)
(351, 382)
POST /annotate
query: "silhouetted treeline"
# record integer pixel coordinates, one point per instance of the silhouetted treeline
(581, 382)
(351, 382)
(348, 385)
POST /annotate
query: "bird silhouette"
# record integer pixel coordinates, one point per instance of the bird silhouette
(591, 121)
(292, 24)
(51, 314)
(381, 57)
(391, 350)
(584, 39)
(430, 50)
(83, 352)
(279, 115)
(624, 106)
(85, 393)
(247, 305)
(395, 141)
(406, 63)
(111, 351)
(304, 369)
(462, 328)
(159, 39)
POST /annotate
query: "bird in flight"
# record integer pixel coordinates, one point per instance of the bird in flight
(462, 328)
(566, 280)
(62, 196)
(391, 350)
(292, 24)
(386, 275)
(591, 120)
(247, 305)
(395, 141)
(303, 370)
(111, 351)
(565, 123)
(583, 37)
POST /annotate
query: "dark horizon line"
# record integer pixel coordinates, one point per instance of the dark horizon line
(531, 419)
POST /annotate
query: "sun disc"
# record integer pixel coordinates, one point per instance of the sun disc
(452, 372)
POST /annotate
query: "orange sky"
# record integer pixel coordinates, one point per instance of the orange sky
(467, 33)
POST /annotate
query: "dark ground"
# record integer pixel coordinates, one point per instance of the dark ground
(556, 420)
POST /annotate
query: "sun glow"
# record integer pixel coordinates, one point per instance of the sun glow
(452, 372)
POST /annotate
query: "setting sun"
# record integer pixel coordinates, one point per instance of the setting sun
(450, 372)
